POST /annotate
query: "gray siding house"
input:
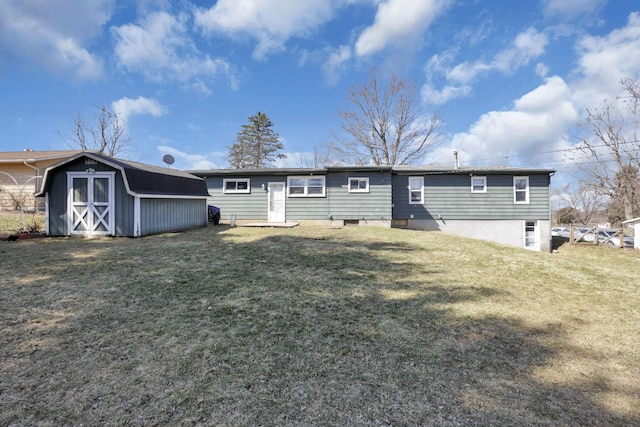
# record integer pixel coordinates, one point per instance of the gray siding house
(505, 205)
(90, 194)
(325, 195)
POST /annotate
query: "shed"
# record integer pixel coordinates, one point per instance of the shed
(91, 194)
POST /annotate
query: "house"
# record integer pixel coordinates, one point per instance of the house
(635, 224)
(20, 172)
(315, 195)
(90, 194)
(506, 205)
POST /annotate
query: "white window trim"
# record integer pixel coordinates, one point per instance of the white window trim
(236, 191)
(358, 190)
(526, 190)
(484, 184)
(421, 178)
(306, 179)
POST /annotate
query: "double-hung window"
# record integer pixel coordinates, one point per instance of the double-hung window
(359, 185)
(306, 186)
(521, 189)
(478, 184)
(236, 185)
(416, 190)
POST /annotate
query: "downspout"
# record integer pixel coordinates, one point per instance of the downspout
(37, 173)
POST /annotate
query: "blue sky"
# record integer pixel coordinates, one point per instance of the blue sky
(509, 79)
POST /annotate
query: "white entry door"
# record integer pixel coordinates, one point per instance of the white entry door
(90, 203)
(276, 202)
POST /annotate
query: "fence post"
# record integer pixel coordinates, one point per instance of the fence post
(621, 237)
(571, 234)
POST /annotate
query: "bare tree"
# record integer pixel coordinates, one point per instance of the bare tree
(609, 144)
(321, 156)
(108, 135)
(585, 200)
(385, 124)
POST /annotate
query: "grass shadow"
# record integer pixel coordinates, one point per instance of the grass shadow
(292, 327)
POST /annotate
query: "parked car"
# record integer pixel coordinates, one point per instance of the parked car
(560, 232)
(610, 238)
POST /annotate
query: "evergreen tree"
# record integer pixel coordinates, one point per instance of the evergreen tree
(256, 145)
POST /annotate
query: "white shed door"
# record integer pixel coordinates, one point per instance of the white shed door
(90, 203)
(276, 202)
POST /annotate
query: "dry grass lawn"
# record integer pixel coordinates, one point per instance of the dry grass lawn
(316, 326)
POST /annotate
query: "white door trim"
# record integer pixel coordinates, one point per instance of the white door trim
(276, 209)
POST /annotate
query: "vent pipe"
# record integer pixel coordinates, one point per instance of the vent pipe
(455, 155)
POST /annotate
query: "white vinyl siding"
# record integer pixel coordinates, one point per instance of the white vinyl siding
(416, 190)
(232, 186)
(306, 186)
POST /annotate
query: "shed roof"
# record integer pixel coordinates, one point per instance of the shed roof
(141, 179)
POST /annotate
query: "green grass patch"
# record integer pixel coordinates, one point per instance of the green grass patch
(316, 326)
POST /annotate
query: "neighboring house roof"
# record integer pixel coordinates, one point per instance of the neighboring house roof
(35, 156)
(400, 170)
(142, 179)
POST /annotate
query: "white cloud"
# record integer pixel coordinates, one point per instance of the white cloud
(127, 107)
(160, 49)
(434, 96)
(605, 60)
(54, 34)
(335, 64)
(538, 122)
(570, 9)
(186, 161)
(396, 22)
(526, 47)
(270, 23)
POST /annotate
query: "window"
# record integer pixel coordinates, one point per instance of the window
(530, 235)
(521, 189)
(416, 189)
(358, 185)
(306, 186)
(230, 186)
(478, 184)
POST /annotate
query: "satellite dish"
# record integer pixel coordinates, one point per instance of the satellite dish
(168, 159)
